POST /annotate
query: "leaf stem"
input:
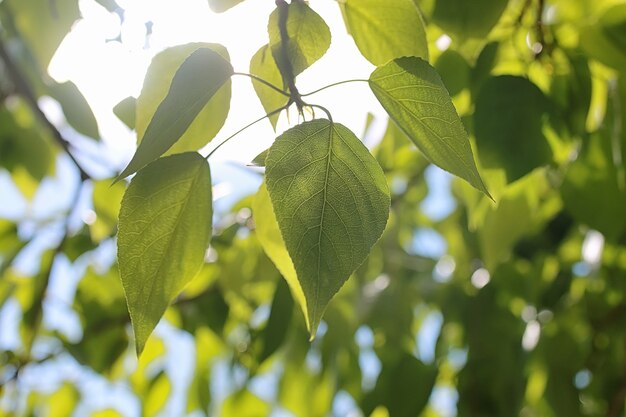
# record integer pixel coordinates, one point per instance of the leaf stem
(262, 81)
(332, 85)
(324, 109)
(273, 112)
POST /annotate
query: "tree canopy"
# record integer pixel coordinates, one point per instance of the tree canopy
(468, 261)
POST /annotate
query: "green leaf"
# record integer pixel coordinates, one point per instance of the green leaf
(591, 190)
(126, 111)
(43, 24)
(277, 327)
(384, 30)
(403, 387)
(473, 19)
(201, 71)
(76, 109)
(454, 71)
(107, 200)
(263, 65)
(220, 6)
(308, 37)
(244, 403)
(605, 39)
(331, 201)
(259, 160)
(413, 94)
(269, 236)
(509, 127)
(164, 229)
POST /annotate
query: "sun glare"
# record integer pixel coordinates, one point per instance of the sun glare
(107, 57)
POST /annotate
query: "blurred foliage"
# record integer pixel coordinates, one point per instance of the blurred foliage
(521, 313)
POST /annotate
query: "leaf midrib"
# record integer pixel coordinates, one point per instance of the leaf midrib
(169, 243)
(449, 146)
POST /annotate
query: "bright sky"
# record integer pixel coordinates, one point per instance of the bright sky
(107, 72)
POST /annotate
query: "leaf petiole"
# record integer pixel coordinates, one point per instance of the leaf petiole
(273, 112)
(333, 85)
(262, 81)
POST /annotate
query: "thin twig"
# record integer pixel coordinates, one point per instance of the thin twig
(23, 89)
(273, 112)
(262, 81)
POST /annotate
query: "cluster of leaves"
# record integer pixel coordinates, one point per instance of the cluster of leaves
(528, 300)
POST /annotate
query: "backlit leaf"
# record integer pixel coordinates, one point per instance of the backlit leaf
(164, 230)
(308, 37)
(126, 110)
(263, 65)
(331, 201)
(220, 6)
(384, 30)
(198, 78)
(76, 109)
(414, 96)
(268, 233)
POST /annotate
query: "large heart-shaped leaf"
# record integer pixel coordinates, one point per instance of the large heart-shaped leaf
(384, 30)
(164, 229)
(196, 81)
(331, 202)
(414, 96)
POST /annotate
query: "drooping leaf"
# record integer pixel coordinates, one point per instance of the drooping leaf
(126, 111)
(414, 96)
(76, 109)
(220, 6)
(468, 19)
(331, 201)
(509, 127)
(263, 65)
(384, 30)
(198, 79)
(268, 233)
(308, 38)
(164, 229)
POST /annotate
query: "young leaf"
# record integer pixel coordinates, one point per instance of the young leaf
(126, 111)
(263, 65)
(268, 233)
(220, 6)
(384, 30)
(164, 229)
(308, 34)
(259, 160)
(331, 201)
(414, 96)
(197, 80)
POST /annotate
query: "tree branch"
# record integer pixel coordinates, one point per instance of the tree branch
(23, 89)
